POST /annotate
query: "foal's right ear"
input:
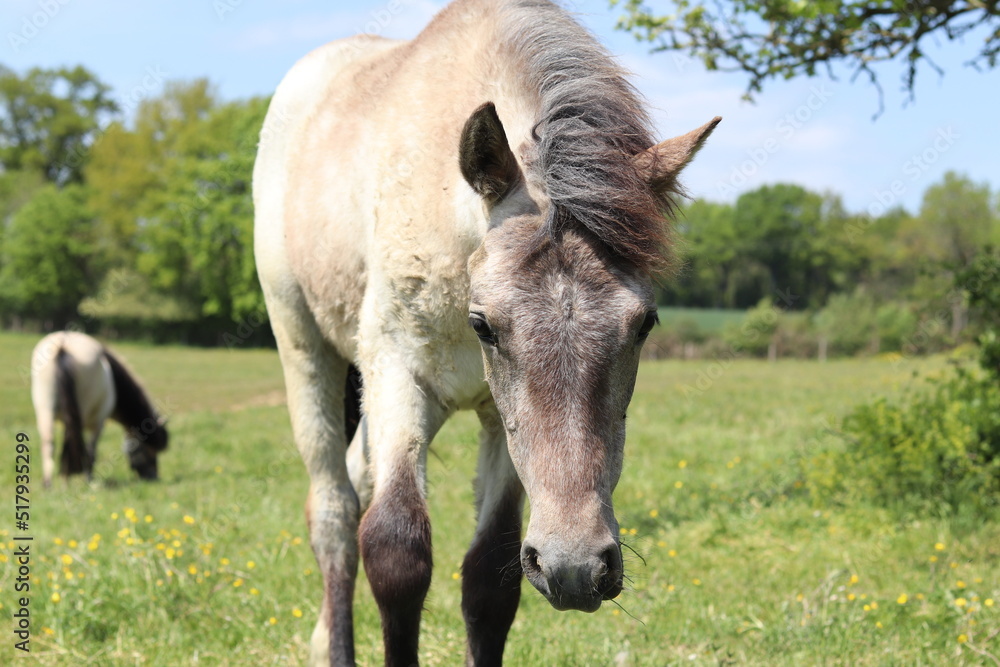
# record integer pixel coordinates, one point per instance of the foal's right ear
(485, 157)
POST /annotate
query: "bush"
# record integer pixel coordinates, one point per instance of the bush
(937, 452)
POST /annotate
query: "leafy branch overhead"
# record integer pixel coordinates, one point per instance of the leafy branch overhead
(769, 39)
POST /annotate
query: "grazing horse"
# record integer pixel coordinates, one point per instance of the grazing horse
(78, 381)
(496, 173)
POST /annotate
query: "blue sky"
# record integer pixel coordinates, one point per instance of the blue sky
(815, 132)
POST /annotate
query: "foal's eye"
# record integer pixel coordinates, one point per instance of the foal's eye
(647, 325)
(482, 328)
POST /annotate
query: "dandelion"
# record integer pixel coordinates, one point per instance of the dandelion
(169, 553)
(963, 638)
(953, 565)
(192, 569)
(939, 546)
(56, 597)
(614, 612)
(72, 544)
(902, 599)
(251, 565)
(672, 553)
(961, 602)
(48, 631)
(633, 531)
(272, 620)
(874, 604)
(678, 484)
(878, 624)
(653, 514)
(851, 597)
(237, 582)
(66, 559)
(224, 561)
(696, 581)
(988, 602)
(670, 588)
(959, 584)
(218, 469)
(867, 607)
(159, 582)
(682, 464)
(623, 531)
(176, 544)
(920, 596)
(933, 559)
(297, 613)
(254, 591)
(188, 519)
(456, 576)
(148, 518)
(661, 544)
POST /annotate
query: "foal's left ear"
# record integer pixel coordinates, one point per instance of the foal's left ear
(485, 157)
(662, 164)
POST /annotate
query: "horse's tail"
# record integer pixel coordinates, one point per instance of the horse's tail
(73, 456)
(352, 402)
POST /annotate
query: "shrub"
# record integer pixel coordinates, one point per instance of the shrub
(938, 451)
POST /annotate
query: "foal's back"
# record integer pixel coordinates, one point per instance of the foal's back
(91, 374)
(357, 182)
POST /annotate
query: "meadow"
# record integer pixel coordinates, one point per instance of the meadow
(729, 561)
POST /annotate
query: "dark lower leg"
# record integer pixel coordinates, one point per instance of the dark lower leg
(333, 534)
(395, 538)
(491, 582)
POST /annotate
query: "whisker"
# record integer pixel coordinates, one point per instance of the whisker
(629, 613)
(629, 547)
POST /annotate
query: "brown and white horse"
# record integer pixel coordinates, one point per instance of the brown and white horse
(76, 380)
(497, 171)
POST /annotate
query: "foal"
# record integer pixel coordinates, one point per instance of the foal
(495, 173)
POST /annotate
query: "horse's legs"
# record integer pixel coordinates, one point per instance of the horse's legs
(91, 455)
(402, 415)
(357, 465)
(47, 434)
(314, 381)
(491, 572)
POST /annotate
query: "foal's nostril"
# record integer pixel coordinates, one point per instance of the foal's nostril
(529, 561)
(608, 574)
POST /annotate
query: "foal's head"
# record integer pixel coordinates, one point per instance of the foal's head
(143, 445)
(562, 310)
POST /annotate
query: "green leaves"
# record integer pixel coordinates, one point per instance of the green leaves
(769, 39)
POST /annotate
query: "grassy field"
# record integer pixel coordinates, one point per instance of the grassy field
(709, 320)
(212, 564)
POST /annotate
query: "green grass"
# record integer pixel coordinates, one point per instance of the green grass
(739, 567)
(709, 320)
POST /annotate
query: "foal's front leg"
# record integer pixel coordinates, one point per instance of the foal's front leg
(402, 416)
(491, 572)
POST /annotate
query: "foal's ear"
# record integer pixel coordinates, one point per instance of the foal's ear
(485, 157)
(662, 164)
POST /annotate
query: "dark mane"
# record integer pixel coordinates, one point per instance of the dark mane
(133, 408)
(592, 122)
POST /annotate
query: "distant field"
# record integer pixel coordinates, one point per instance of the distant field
(709, 320)
(212, 565)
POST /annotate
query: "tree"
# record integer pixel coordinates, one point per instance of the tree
(769, 39)
(47, 264)
(49, 119)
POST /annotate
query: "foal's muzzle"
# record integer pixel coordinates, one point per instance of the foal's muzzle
(578, 581)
